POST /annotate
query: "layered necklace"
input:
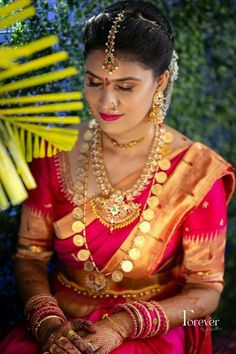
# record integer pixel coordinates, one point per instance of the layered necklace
(116, 208)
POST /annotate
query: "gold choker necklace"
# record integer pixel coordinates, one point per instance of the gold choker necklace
(130, 144)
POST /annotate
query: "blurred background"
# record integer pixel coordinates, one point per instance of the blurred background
(203, 108)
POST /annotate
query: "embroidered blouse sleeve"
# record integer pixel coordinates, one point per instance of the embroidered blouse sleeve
(204, 232)
(36, 228)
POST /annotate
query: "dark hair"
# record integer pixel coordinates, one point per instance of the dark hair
(144, 35)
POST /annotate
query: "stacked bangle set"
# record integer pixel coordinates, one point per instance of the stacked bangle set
(40, 308)
(148, 318)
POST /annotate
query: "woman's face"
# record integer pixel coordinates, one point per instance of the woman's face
(130, 89)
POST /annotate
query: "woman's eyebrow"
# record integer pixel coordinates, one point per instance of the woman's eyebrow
(117, 80)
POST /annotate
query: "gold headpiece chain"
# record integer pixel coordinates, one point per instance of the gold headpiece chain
(110, 62)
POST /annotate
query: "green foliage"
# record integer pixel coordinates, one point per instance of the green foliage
(203, 105)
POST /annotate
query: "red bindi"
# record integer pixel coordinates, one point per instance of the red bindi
(107, 81)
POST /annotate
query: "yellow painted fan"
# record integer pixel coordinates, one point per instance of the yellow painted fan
(30, 126)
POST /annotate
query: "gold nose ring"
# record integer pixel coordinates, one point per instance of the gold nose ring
(113, 107)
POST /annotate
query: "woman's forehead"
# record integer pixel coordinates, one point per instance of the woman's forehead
(126, 68)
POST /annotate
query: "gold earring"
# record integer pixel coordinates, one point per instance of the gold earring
(156, 116)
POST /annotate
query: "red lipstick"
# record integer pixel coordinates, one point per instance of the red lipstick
(110, 117)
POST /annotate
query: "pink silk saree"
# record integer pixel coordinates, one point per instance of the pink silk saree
(186, 245)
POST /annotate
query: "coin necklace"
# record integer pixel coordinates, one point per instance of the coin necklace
(115, 208)
(95, 280)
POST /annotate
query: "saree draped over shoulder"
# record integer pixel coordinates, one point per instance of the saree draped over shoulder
(185, 245)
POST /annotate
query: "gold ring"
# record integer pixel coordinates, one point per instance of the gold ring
(53, 346)
(61, 338)
(91, 345)
(70, 333)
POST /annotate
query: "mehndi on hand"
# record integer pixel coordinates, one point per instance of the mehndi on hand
(110, 333)
(64, 339)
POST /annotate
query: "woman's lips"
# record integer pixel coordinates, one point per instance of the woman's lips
(110, 117)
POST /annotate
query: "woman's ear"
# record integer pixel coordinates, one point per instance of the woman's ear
(163, 81)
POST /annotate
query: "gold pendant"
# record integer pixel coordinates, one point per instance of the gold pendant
(77, 226)
(145, 227)
(96, 282)
(88, 266)
(157, 189)
(134, 253)
(139, 241)
(164, 164)
(161, 177)
(153, 202)
(117, 276)
(115, 212)
(78, 240)
(148, 214)
(127, 266)
(77, 213)
(83, 255)
(168, 138)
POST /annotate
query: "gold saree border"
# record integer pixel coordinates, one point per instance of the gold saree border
(184, 190)
(156, 284)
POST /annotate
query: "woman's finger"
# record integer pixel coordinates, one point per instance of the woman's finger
(79, 324)
(54, 349)
(67, 345)
(82, 333)
(80, 343)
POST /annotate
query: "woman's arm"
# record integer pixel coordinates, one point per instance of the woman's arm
(192, 303)
(32, 279)
(46, 321)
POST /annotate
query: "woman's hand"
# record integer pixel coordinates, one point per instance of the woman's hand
(110, 332)
(63, 339)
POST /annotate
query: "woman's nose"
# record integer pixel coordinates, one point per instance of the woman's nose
(108, 98)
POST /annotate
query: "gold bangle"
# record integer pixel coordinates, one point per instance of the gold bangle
(115, 326)
(39, 323)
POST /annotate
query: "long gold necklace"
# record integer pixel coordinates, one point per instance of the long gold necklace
(113, 207)
(96, 281)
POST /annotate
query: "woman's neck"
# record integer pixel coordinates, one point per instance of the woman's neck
(142, 135)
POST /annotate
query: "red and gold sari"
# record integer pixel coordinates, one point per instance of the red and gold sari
(185, 246)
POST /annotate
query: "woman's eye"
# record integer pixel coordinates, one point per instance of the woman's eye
(93, 84)
(126, 88)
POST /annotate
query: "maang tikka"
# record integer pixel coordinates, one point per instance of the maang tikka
(110, 62)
